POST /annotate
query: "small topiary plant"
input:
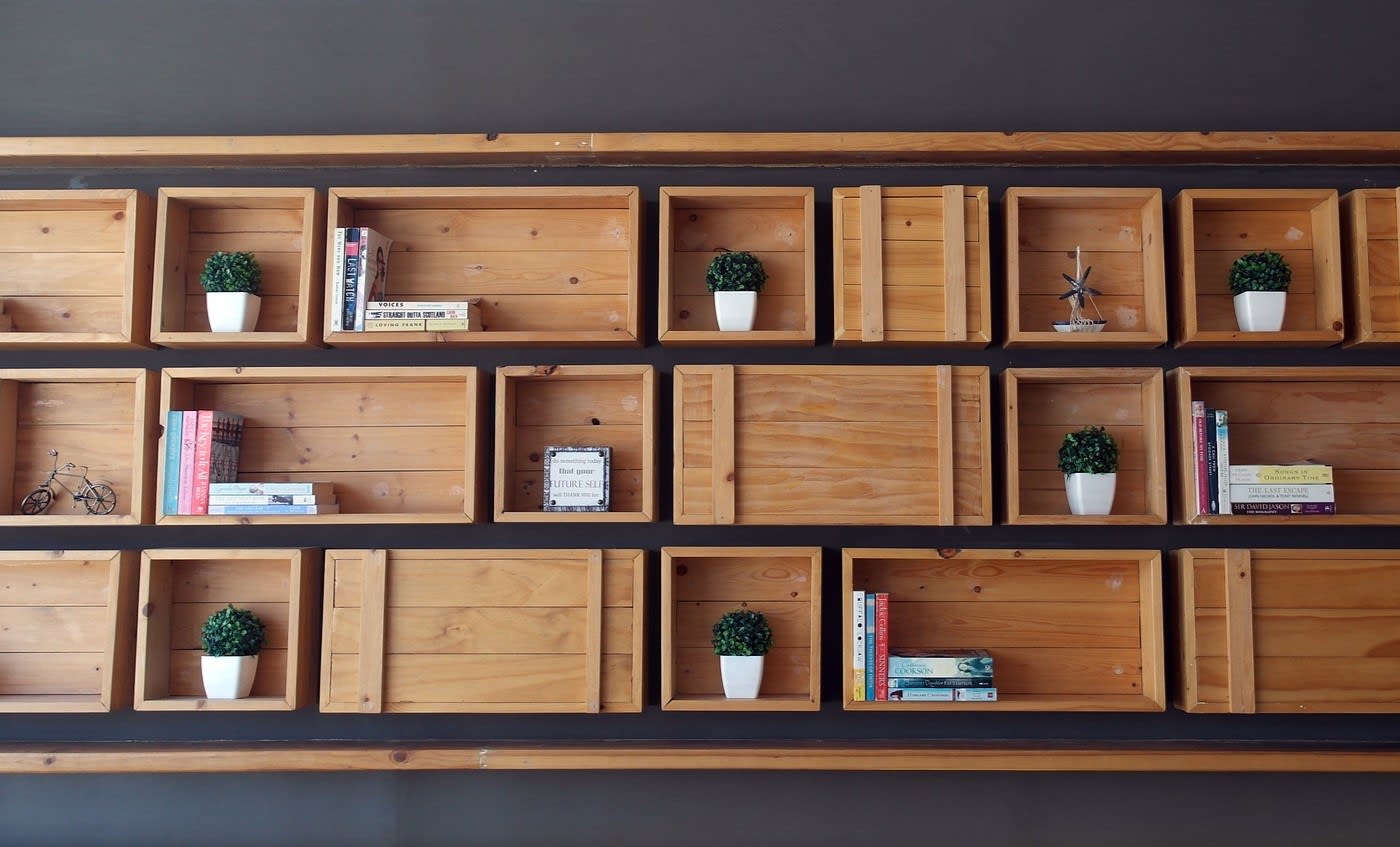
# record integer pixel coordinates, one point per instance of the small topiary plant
(232, 632)
(742, 633)
(741, 271)
(1089, 450)
(231, 272)
(1266, 271)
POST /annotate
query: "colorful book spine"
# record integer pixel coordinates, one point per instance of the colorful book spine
(170, 495)
(1280, 474)
(1212, 468)
(264, 500)
(187, 437)
(1222, 459)
(1198, 425)
(396, 314)
(941, 663)
(872, 626)
(978, 695)
(338, 281)
(941, 682)
(858, 646)
(926, 695)
(1285, 508)
(374, 271)
(451, 305)
(1321, 492)
(225, 448)
(350, 286)
(320, 489)
(203, 439)
(882, 646)
(277, 509)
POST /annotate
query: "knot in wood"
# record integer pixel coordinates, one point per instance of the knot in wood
(544, 370)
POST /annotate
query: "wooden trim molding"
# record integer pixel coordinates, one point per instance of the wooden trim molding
(302, 756)
(707, 148)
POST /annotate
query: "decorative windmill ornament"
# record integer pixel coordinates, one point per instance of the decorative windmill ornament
(1078, 291)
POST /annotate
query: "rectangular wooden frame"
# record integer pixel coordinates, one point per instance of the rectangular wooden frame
(1371, 265)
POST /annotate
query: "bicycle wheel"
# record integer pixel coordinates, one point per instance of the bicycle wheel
(36, 501)
(100, 499)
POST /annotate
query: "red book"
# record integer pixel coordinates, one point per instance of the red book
(882, 646)
(203, 442)
(187, 437)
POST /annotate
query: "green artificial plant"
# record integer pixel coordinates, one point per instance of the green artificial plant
(1088, 450)
(742, 633)
(741, 271)
(231, 272)
(232, 632)
(1265, 271)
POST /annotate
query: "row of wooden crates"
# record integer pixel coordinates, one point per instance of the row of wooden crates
(439, 630)
(753, 444)
(83, 268)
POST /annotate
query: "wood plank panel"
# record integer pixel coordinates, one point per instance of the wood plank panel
(62, 274)
(48, 230)
(615, 691)
(1098, 229)
(65, 314)
(1041, 671)
(849, 395)
(481, 678)
(186, 679)
(786, 671)
(450, 274)
(1247, 230)
(765, 577)
(995, 625)
(281, 269)
(382, 492)
(914, 309)
(331, 402)
(1342, 401)
(45, 583)
(74, 403)
(1343, 580)
(24, 674)
(1116, 274)
(525, 491)
(866, 492)
(787, 274)
(911, 218)
(531, 441)
(237, 581)
(312, 449)
(1070, 404)
(775, 312)
(1327, 681)
(1380, 219)
(486, 630)
(457, 230)
(53, 629)
(1040, 445)
(187, 621)
(846, 444)
(579, 402)
(710, 230)
(1308, 632)
(1343, 445)
(1000, 580)
(693, 623)
(276, 314)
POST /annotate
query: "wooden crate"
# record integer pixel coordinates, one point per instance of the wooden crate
(282, 227)
(75, 268)
(832, 444)
(180, 589)
(1215, 226)
(1119, 233)
(1371, 265)
(699, 584)
(1068, 630)
(579, 406)
(1341, 416)
(67, 628)
(906, 271)
(775, 224)
(1042, 404)
(1289, 631)
(483, 631)
(401, 445)
(103, 418)
(551, 265)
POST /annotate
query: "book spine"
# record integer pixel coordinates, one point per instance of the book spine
(318, 488)
(926, 695)
(872, 627)
(390, 305)
(395, 324)
(374, 270)
(980, 695)
(858, 645)
(203, 439)
(447, 325)
(912, 666)
(1222, 458)
(882, 646)
(338, 281)
(187, 436)
(940, 682)
(262, 499)
(1280, 474)
(170, 495)
(1308, 493)
(396, 314)
(352, 275)
(1212, 469)
(224, 451)
(273, 509)
(1249, 508)
(1198, 424)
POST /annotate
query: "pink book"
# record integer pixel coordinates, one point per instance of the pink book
(882, 646)
(203, 442)
(187, 434)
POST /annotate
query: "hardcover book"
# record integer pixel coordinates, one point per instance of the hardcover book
(338, 280)
(1322, 492)
(1198, 427)
(872, 625)
(351, 278)
(1222, 458)
(373, 274)
(1285, 508)
(941, 681)
(940, 663)
(318, 489)
(980, 695)
(187, 435)
(277, 509)
(170, 495)
(1212, 469)
(936, 695)
(858, 645)
(882, 645)
(267, 500)
(1304, 474)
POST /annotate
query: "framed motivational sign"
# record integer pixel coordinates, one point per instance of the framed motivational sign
(577, 479)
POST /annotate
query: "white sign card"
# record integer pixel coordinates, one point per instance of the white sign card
(577, 479)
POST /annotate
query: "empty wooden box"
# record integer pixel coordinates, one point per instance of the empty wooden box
(912, 265)
(1291, 631)
(1118, 233)
(282, 227)
(700, 584)
(551, 265)
(1371, 263)
(775, 224)
(1068, 630)
(1043, 404)
(67, 630)
(180, 589)
(1215, 226)
(483, 631)
(75, 268)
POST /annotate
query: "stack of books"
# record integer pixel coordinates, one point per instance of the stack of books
(273, 498)
(359, 275)
(422, 315)
(1301, 489)
(201, 449)
(879, 673)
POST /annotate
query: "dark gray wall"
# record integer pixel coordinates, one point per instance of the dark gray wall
(182, 67)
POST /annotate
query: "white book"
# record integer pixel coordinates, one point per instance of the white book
(338, 281)
(1322, 492)
(1222, 458)
(381, 305)
(858, 645)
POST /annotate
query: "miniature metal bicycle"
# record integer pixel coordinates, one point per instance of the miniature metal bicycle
(97, 497)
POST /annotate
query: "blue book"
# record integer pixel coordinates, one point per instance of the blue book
(352, 278)
(871, 631)
(170, 497)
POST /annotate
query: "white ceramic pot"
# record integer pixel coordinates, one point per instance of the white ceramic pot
(232, 311)
(1090, 493)
(1260, 311)
(742, 676)
(228, 677)
(735, 310)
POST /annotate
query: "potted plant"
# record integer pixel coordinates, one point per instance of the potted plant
(735, 278)
(232, 639)
(1089, 461)
(741, 640)
(1260, 282)
(231, 282)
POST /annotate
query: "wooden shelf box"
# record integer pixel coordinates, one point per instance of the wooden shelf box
(75, 268)
(99, 417)
(1290, 631)
(912, 265)
(551, 265)
(180, 589)
(1068, 630)
(67, 628)
(1371, 265)
(832, 444)
(1042, 404)
(575, 406)
(483, 631)
(699, 584)
(1215, 226)
(1119, 233)
(775, 224)
(1347, 417)
(282, 227)
(401, 445)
